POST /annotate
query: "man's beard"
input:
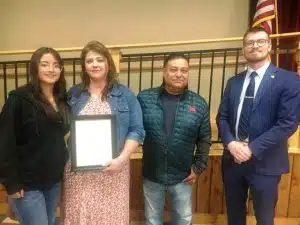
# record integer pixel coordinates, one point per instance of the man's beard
(255, 59)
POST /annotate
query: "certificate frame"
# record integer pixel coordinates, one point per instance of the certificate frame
(94, 122)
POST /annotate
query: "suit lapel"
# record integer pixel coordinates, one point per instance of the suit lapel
(237, 92)
(264, 85)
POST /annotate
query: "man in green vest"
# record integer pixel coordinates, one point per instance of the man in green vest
(177, 142)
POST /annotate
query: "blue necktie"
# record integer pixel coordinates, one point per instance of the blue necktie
(247, 108)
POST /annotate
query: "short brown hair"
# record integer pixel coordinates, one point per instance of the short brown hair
(255, 30)
(99, 48)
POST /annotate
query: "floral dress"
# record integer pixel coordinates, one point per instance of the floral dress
(95, 198)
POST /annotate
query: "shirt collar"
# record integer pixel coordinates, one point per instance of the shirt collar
(260, 72)
(182, 97)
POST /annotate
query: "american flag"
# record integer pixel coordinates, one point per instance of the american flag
(265, 12)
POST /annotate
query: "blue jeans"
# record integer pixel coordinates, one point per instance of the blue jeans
(180, 199)
(37, 207)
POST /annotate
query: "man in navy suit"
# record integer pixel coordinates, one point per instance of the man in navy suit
(256, 117)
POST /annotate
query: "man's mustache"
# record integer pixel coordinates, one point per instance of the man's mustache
(255, 50)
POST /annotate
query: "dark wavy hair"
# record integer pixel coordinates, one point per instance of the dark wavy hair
(111, 77)
(59, 90)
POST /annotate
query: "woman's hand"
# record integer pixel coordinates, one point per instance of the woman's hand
(115, 165)
(66, 138)
(18, 195)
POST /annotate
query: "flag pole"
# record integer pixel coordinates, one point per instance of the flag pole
(277, 31)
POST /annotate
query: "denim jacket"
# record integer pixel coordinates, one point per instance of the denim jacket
(123, 103)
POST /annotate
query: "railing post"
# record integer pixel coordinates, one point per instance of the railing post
(294, 141)
(298, 57)
(116, 55)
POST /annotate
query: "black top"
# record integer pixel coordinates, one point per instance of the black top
(33, 151)
(170, 103)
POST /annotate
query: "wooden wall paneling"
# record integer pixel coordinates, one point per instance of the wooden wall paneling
(216, 196)
(284, 192)
(294, 198)
(203, 189)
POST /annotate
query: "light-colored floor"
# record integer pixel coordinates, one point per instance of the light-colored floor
(142, 223)
(10, 221)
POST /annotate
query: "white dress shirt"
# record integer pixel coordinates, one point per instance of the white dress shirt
(260, 74)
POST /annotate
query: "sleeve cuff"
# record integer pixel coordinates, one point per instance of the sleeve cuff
(197, 170)
(135, 137)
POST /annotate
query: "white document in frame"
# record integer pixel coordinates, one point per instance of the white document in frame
(93, 142)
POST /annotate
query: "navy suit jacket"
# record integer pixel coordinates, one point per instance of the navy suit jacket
(273, 118)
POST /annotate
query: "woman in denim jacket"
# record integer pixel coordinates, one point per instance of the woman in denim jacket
(102, 197)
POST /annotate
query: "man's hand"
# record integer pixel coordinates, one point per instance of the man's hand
(191, 178)
(247, 150)
(240, 151)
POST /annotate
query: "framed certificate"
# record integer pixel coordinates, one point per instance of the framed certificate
(93, 141)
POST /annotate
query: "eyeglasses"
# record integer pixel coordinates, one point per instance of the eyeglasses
(259, 43)
(45, 66)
